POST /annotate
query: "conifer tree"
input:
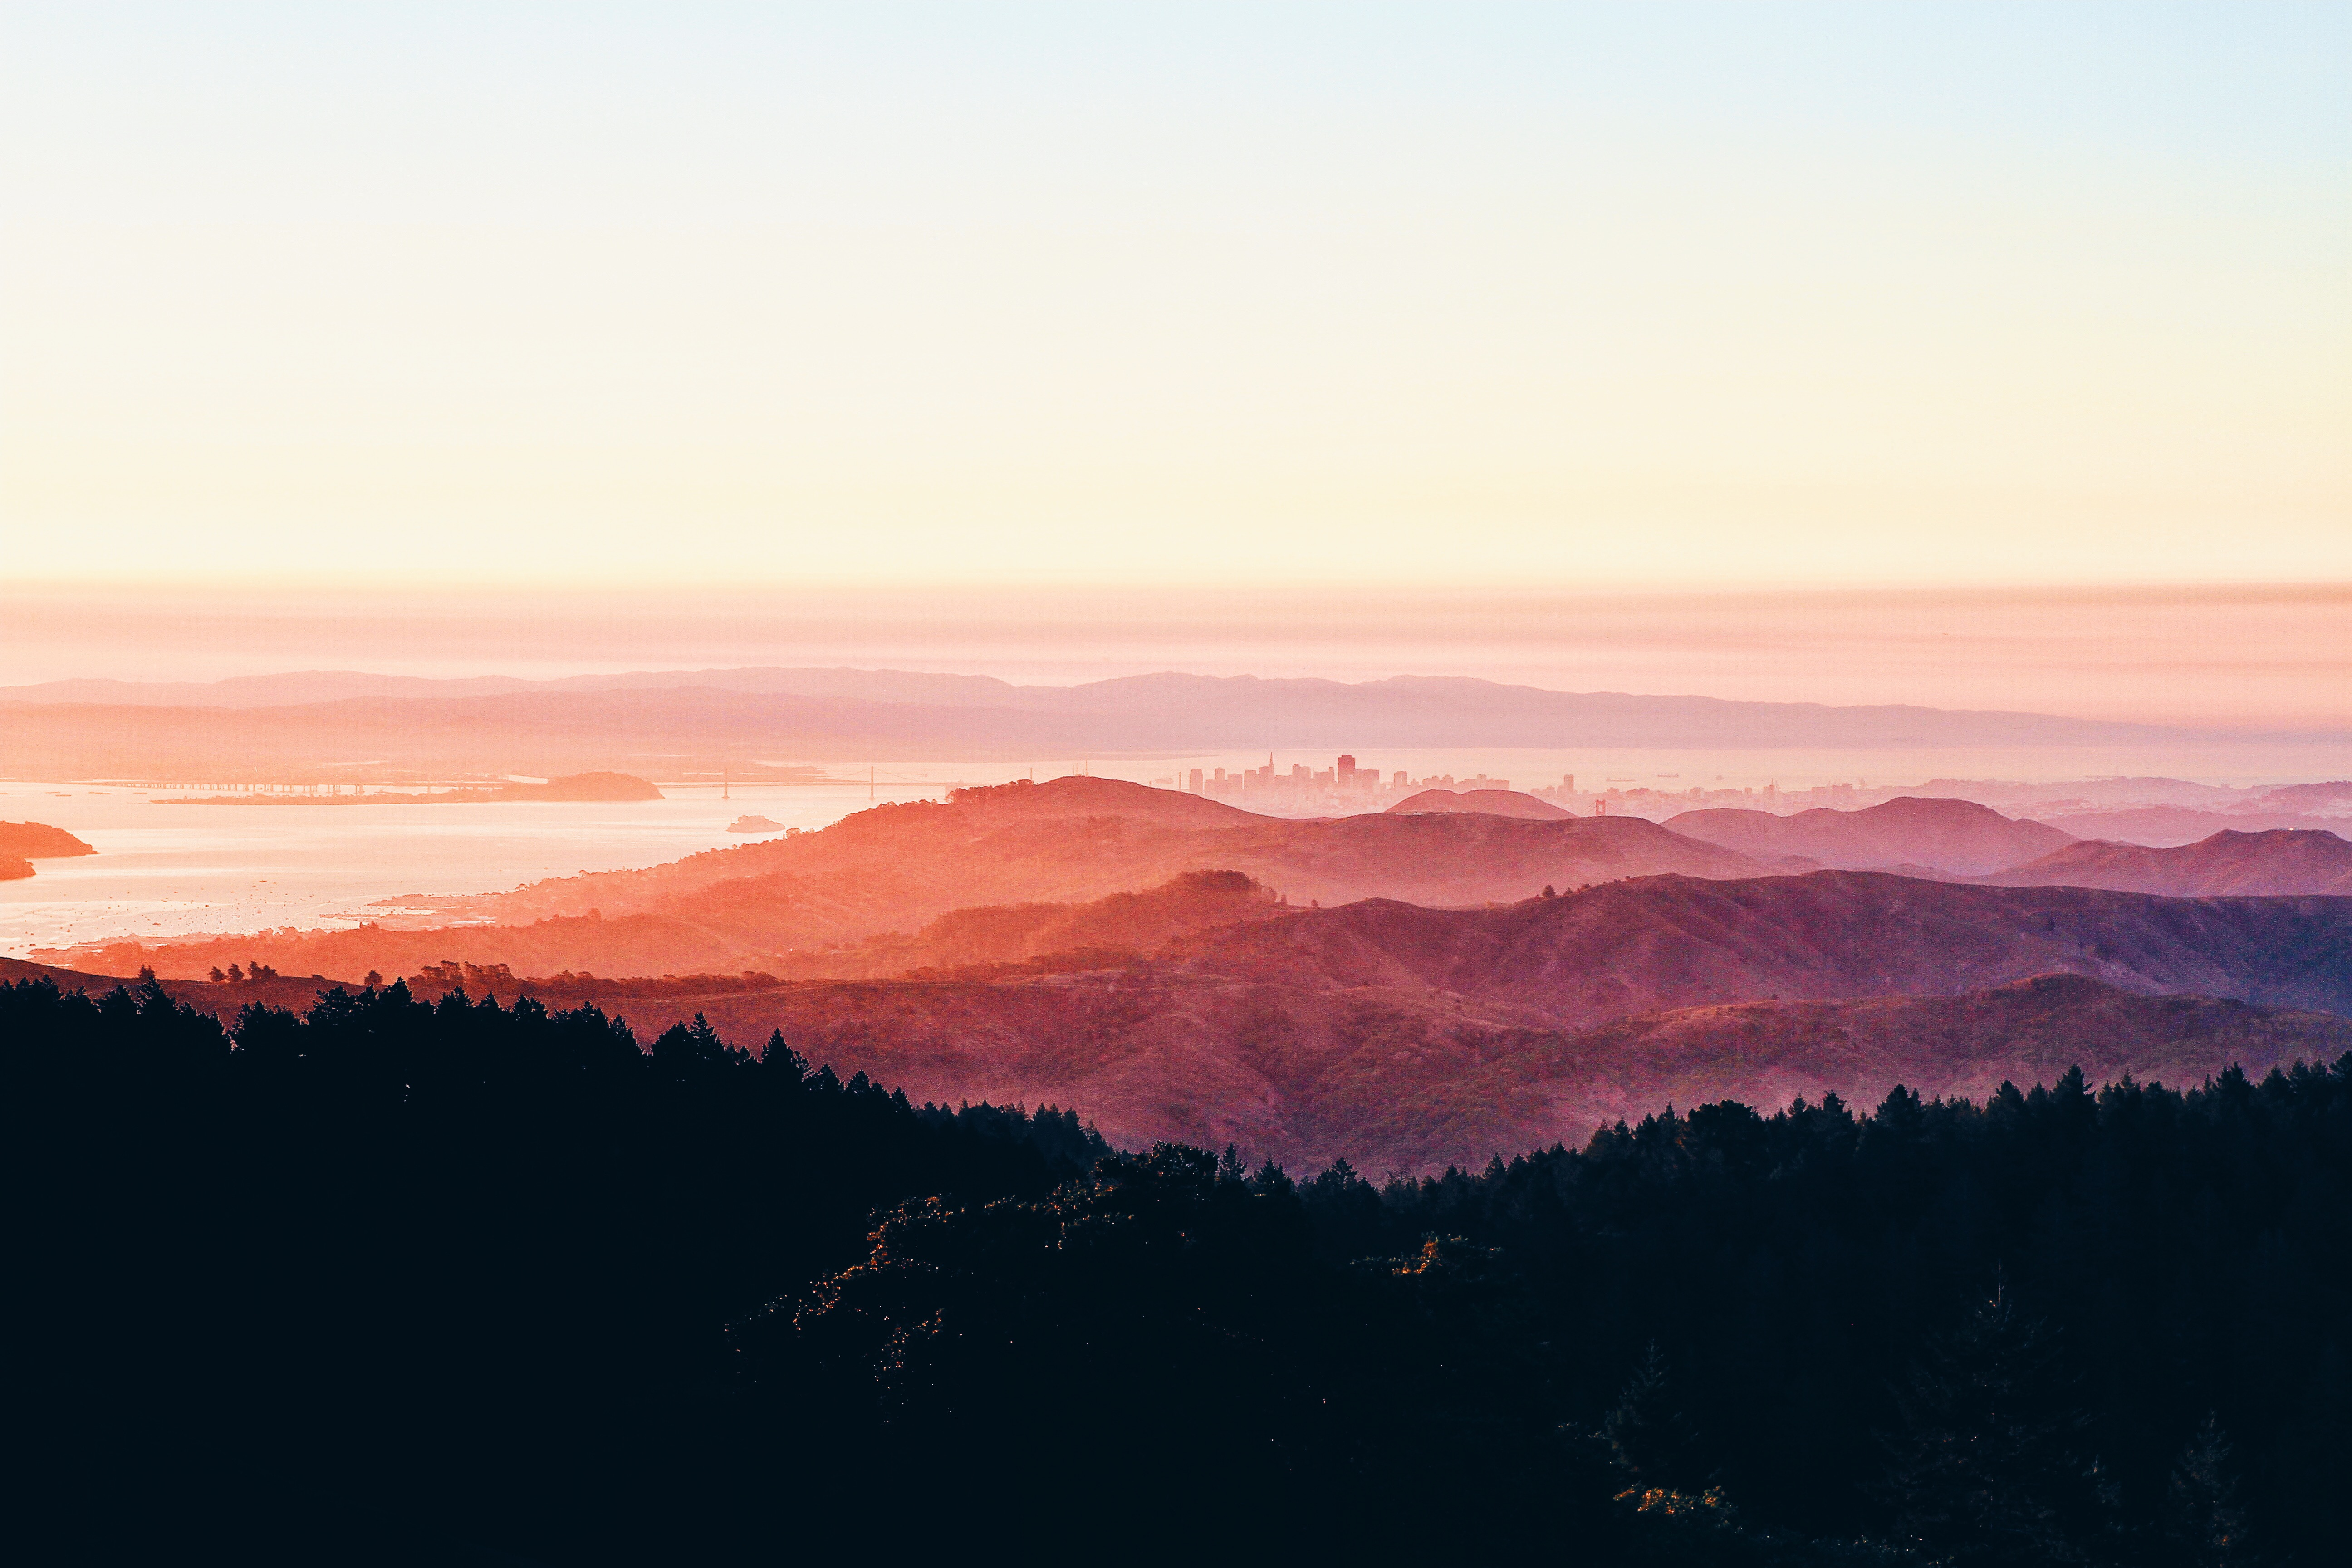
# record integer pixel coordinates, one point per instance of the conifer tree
(2201, 1516)
(1647, 1433)
(1986, 1470)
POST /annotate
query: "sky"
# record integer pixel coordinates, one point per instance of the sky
(1370, 309)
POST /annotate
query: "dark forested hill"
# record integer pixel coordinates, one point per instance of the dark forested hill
(401, 1282)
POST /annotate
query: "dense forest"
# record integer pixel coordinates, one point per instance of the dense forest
(453, 1282)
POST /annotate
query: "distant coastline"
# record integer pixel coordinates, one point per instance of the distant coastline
(596, 787)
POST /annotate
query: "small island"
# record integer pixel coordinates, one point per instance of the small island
(598, 786)
(753, 823)
(36, 840)
(21, 843)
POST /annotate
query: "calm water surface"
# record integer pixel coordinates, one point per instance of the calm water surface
(172, 871)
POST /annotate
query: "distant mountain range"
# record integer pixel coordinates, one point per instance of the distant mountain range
(1094, 942)
(836, 902)
(77, 728)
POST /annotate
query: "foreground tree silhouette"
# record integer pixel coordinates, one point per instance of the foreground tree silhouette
(1987, 1468)
(421, 1274)
(2202, 1521)
(1648, 1436)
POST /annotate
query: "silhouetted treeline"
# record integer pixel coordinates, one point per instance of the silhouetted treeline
(422, 1281)
(403, 1272)
(2174, 1281)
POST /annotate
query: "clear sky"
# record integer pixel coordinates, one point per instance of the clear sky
(1576, 297)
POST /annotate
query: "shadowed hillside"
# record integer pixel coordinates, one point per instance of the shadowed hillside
(2281, 861)
(1397, 1081)
(1670, 942)
(1948, 835)
(1123, 926)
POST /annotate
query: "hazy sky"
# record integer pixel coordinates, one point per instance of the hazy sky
(1556, 299)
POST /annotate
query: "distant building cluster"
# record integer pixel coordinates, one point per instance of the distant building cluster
(1617, 799)
(1345, 788)
(1348, 788)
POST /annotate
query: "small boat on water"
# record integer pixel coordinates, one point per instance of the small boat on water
(754, 823)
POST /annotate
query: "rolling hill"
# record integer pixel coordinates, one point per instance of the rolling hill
(1488, 801)
(1120, 927)
(1955, 835)
(2280, 861)
(2170, 826)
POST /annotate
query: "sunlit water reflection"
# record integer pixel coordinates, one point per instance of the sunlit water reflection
(164, 870)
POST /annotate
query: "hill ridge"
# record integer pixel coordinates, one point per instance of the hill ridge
(1942, 832)
(2273, 861)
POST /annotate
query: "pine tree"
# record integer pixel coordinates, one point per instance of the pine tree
(1647, 1433)
(2201, 1515)
(687, 1048)
(1986, 1468)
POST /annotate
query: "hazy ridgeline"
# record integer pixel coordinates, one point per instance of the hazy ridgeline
(303, 724)
(414, 1281)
